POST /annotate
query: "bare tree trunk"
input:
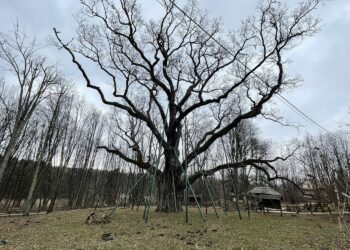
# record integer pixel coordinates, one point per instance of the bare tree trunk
(8, 152)
(169, 199)
(29, 200)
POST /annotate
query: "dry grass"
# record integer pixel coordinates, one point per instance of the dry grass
(67, 230)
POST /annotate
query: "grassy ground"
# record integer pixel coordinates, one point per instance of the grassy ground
(67, 230)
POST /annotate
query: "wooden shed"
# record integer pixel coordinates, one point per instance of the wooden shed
(265, 197)
(191, 199)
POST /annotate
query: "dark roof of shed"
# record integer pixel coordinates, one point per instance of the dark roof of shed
(264, 190)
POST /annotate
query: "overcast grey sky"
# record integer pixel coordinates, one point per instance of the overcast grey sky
(322, 61)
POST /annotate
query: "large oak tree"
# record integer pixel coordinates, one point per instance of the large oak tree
(162, 72)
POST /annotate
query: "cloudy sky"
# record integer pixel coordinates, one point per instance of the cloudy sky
(322, 61)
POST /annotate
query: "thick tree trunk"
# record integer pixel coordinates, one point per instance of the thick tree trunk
(168, 194)
(168, 199)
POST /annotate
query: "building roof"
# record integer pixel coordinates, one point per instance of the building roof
(265, 193)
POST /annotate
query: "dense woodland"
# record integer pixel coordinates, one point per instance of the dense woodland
(163, 114)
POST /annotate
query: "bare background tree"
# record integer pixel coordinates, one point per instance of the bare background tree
(34, 77)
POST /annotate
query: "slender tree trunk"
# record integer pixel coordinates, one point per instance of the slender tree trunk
(4, 191)
(52, 201)
(7, 154)
(55, 190)
(29, 200)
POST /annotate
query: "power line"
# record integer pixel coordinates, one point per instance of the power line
(302, 114)
(281, 97)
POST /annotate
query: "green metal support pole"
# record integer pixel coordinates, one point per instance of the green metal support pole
(210, 186)
(187, 183)
(126, 195)
(195, 198)
(152, 184)
(211, 198)
(174, 189)
(186, 195)
(185, 148)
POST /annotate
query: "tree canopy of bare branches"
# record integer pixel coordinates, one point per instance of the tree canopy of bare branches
(163, 72)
